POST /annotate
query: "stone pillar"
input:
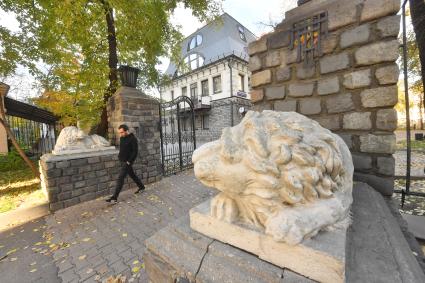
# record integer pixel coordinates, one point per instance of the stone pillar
(350, 89)
(141, 114)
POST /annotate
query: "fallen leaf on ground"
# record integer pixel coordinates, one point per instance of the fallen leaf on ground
(135, 269)
(82, 257)
(11, 252)
(86, 239)
(13, 259)
(33, 263)
(141, 213)
(135, 262)
(124, 234)
(33, 270)
(89, 271)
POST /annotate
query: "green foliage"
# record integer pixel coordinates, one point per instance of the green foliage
(70, 38)
(11, 161)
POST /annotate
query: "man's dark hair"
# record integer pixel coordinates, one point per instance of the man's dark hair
(124, 127)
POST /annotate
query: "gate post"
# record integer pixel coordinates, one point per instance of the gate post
(141, 114)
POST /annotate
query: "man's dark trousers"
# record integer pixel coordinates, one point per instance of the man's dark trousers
(126, 169)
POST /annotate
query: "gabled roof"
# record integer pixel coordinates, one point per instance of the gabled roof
(220, 38)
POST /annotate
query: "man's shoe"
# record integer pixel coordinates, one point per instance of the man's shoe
(139, 190)
(112, 200)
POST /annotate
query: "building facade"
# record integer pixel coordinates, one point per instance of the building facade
(214, 73)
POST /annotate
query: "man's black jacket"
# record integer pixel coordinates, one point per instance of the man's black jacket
(128, 149)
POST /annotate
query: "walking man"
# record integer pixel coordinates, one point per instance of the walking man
(126, 156)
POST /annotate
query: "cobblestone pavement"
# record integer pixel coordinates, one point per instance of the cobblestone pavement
(417, 163)
(94, 240)
(108, 240)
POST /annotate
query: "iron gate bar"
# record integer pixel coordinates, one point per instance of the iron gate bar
(406, 191)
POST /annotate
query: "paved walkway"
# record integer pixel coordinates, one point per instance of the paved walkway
(92, 241)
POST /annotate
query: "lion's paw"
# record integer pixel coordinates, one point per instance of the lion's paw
(224, 208)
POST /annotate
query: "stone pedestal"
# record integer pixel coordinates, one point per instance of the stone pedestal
(71, 179)
(141, 114)
(320, 258)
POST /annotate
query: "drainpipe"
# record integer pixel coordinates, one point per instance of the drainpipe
(231, 91)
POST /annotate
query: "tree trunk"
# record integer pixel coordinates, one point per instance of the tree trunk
(14, 142)
(417, 11)
(113, 62)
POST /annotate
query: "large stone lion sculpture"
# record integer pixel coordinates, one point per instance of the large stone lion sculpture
(72, 139)
(280, 172)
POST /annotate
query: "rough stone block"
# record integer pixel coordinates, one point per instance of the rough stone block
(301, 89)
(63, 164)
(87, 197)
(386, 119)
(95, 159)
(305, 72)
(339, 15)
(63, 180)
(279, 39)
(69, 171)
(272, 58)
(79, 162)
(286, 106)
(46, 165)
(339, 103)
(333, 63)
(283, 74)
(80, 184)
(362, 162)
(261, 78)
(64, 196)
(71, 202)
(379, 97)
(378, 143)
(330, 122)
(256, 95)
(328, 86)
(289, 56)
(347, 138)
(330, 43)
(386, 165)
(53, 173)
(257, 46)
(55, 206)
(389, 26)
(379, 8)
(275, 92)
(355, 36)
(254, 63)
(387, 75)
(310, 106)
(320, 258)
(357, 79)
(357, 121)
(67, 187)
(384, 51)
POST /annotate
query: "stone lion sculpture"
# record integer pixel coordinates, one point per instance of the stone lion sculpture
(280, 172)
(72, 139)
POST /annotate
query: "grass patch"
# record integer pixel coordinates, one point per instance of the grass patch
(19, 188)
(414, 144)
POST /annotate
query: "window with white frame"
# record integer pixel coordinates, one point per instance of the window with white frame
(217, 84)
(194, 42)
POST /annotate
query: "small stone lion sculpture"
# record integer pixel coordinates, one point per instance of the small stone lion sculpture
(280, 172)
(72, 139)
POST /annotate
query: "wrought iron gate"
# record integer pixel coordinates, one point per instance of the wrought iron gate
(178, 139)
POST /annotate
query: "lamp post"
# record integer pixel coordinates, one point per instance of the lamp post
(128, 75)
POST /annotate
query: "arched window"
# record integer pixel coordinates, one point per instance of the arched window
(190, 63)
(242, 33)
(194, 42)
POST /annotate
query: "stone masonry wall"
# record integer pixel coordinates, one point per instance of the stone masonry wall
(351, 89)
(141, 114)
(69, 180)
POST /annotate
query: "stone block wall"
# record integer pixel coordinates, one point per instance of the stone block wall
(351, 89)
(71, 179)
(141, 114)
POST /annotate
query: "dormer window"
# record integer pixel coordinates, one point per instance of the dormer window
(190, 63)
(242, 33)
(194, 42)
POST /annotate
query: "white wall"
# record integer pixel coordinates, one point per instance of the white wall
(220, 68)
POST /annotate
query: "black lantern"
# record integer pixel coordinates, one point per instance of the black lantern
(128, 75)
